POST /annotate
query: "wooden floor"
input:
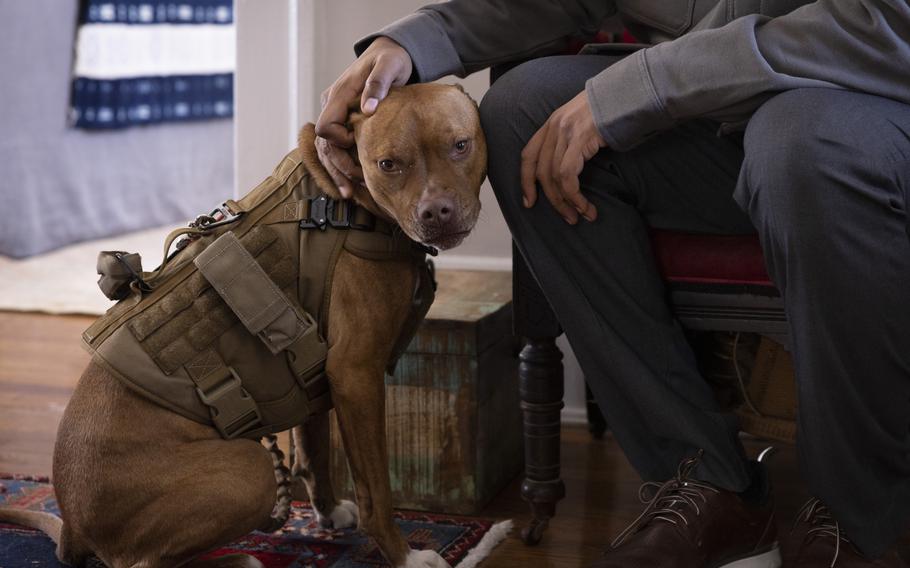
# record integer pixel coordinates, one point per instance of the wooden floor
(40, 361)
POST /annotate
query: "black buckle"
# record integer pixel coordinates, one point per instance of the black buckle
(322, 215)
(321, 209)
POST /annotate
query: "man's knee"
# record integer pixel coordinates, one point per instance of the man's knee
(495, 109)
(802, 149)
(518, 104)
(499, 111)
(520, 101)
(503, 146)
(513, 109)
(785, 149)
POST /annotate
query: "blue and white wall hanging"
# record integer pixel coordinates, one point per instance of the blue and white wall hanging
(151, 61)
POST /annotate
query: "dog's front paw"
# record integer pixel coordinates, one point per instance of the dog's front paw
(343, 516)
(425, 559)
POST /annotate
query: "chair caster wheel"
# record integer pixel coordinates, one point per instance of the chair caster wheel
(532, 533)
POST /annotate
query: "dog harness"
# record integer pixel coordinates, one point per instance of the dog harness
(230, 329)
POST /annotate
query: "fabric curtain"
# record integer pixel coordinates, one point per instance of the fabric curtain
(146, 61)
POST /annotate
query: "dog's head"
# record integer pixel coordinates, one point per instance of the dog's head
(424, 158)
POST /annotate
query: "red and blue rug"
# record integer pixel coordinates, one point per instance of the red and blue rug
(462, 541)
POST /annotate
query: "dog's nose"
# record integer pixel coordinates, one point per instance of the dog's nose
(436, 210)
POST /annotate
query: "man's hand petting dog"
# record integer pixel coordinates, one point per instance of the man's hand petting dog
(555, 156)
(383, 65)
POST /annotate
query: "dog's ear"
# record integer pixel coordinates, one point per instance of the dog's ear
(306, 145)
(355, 119)
(462, 89)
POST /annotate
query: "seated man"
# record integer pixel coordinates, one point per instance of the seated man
(795, 124)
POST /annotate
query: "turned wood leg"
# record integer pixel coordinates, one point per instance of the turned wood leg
(541, 383)
(597, 424)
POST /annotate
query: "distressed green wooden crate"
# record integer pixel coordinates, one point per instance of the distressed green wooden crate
(453, 419)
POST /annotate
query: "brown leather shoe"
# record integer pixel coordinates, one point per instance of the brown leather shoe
(693, 524)
(817, 541)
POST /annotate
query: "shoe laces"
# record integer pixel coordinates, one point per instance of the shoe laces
(671, 501)
(821, 524)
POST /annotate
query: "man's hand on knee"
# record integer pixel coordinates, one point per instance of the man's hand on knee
(366, 81)
(555, 156)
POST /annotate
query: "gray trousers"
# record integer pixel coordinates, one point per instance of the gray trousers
(824, 177)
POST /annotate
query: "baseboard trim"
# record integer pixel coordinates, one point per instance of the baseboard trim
(473, 262)
(574, 415)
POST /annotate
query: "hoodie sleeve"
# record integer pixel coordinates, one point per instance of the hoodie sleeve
(728, 72)
(463, 36)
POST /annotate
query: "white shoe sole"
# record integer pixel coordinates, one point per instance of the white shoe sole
(770, 559)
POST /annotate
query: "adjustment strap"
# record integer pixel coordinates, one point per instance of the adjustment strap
(233, 410)
(254, 297)
(360, 219)
(322, 212)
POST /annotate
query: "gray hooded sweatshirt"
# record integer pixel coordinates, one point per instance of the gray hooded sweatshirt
(718, 59)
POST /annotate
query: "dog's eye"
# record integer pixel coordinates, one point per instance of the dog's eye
(387, 165)
(462, 146)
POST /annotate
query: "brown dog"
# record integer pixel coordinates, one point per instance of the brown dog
(141, 486)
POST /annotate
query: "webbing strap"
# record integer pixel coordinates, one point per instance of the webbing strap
(256, 300)
(233, 410)
(262, 307)
(322, 211)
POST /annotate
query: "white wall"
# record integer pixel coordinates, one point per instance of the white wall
(325, 32)
(265, 88)
(288, 52)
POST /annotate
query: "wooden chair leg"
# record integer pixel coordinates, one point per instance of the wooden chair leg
(540, 375)
(597, 424)
(541, 382)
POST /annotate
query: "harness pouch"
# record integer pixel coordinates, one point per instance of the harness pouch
(118, 270)
(247, 371)
(229, 330)
(186, 321)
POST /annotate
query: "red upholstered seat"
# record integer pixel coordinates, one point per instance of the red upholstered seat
(686, 258)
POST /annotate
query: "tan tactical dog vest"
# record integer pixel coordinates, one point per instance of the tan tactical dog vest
(230, 330)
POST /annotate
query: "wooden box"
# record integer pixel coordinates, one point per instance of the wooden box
(453, 419)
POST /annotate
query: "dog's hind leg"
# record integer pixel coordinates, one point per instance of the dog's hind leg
(200, 496)
(141, 486)
(311, 446)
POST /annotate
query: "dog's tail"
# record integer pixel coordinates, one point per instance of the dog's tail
(283, 477)
(48, 523)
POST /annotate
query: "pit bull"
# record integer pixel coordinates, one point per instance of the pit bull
(141, 486)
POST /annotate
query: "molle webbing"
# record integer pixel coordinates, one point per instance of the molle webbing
(258, 203)
(185, 322)
(267, 313)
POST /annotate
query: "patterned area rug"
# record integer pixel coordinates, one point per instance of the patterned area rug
(462, 541)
